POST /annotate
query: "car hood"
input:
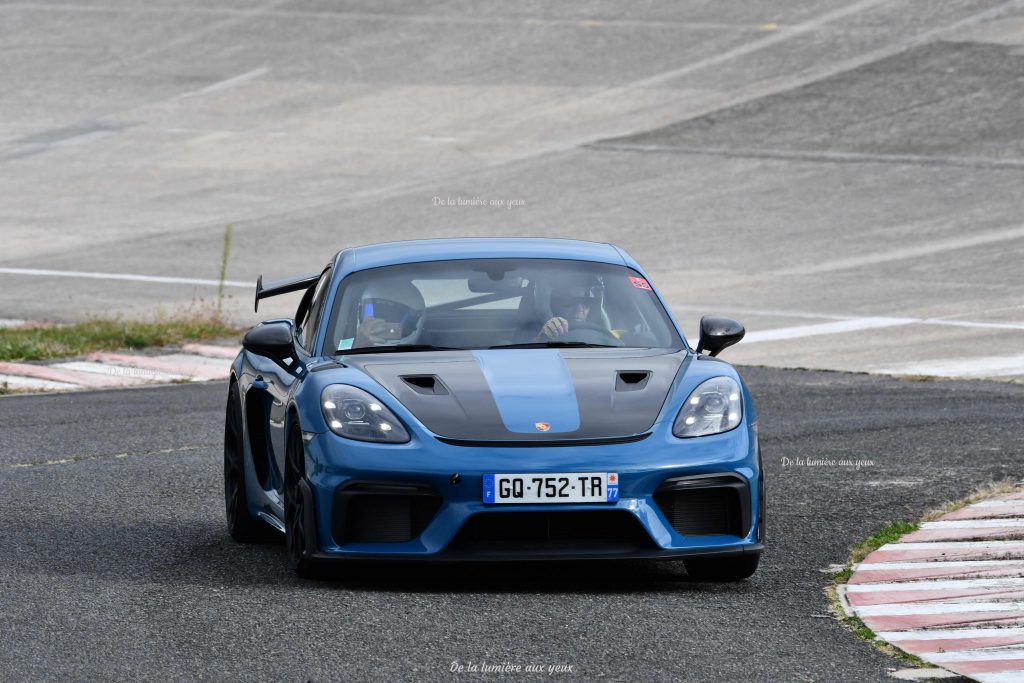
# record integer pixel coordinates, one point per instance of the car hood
(529, 394)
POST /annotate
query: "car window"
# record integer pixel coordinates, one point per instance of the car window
(307, 326)
(457, 294)
(479, 303)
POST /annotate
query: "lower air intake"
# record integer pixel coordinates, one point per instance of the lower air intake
(382, 513)
(708, 507)
(549, 533)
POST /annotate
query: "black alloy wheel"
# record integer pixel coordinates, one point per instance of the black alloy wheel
(242, 527)
(298, 546)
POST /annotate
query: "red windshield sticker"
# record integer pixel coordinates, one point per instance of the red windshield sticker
(640, 283)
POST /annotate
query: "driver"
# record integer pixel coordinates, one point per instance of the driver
(571, 305)
(389, 313)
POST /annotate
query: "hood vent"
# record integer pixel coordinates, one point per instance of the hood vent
(428, 385)
(631, 380)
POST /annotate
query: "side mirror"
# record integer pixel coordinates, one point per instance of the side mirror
(718, 333)
(274, 340)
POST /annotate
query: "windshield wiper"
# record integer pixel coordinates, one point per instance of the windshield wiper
(555, 344)
(396, 348)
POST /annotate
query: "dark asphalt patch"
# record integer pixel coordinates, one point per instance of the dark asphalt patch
(943, 100)
(120, 567)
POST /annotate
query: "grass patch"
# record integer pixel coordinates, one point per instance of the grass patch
(110, 334)
(890, 533)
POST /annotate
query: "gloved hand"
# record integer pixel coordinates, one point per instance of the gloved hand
(377, 331)
(556, 328)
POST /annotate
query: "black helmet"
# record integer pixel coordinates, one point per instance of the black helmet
(568, 297)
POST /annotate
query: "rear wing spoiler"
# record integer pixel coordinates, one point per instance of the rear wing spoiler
(291, 284)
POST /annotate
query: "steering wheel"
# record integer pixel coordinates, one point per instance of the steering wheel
(590, 333)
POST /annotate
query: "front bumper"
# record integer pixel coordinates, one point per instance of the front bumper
(443, 483)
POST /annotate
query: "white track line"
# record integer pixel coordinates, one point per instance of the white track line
(945, 564)
(969, 323)
(956, 545)
(124, 371)
(960, 367)
(913, 609)
(974, 523)
(837, 327)
(981, 655)
(844, 324)
(917, 251)
(32, 384)
(125, 276)
(198, 360)
(1001, 677)
(951, 634)
(926, 585)
(226, 83)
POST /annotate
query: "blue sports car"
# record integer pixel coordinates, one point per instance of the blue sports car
(491, 399)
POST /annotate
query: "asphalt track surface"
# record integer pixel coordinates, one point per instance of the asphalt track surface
(117, 564)
(849, 169)
(843, 177)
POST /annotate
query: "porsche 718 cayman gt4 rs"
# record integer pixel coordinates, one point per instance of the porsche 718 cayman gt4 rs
(489, 399)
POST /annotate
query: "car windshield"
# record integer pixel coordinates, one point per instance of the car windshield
(489, 303)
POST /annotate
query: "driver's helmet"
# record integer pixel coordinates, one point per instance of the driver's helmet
(569, 293)
(395, 301)
(566, 301)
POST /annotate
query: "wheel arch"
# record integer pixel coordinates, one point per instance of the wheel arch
(294, 421)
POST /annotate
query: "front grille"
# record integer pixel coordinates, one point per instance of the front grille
(705, 506)
(597, 531)
(537, 441)
(382, 513)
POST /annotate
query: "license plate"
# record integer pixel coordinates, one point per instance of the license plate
(569, 487)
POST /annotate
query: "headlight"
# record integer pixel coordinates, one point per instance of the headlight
(355, 414)
(714, 406)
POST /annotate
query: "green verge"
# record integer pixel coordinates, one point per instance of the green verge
(110, 334)
(890, 533)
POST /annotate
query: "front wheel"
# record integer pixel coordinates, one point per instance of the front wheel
(295, 504)
(722, 568)
(242, 527)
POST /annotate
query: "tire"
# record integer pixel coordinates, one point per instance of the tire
(296, 543)
(242, 527)
(722, 568)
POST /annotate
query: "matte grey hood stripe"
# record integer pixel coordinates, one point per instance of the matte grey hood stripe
(533, 389)
(470, 410)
